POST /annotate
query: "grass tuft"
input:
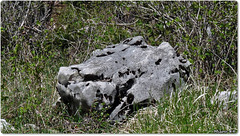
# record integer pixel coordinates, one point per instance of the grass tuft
(186, 111)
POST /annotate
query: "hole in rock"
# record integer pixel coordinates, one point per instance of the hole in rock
(122, 91)
(116, 62)
(124, 49)
(129, 83)
(158, 61)
(110, 98)
(123, 58)
(133, 72)
(116, 102)
(174, 70)
(101, 55)
(130, 98)
(66, 85)
(87, 84)
(101, 96)
(113, 47)
(127, 40)
(105, 95)
(144, 46)
(101, 77)
(91, 77)
(98, 91)
(139, 70)
(124, 87)
(137, 43)
(141, 74)
(178, 54)
(109, 53)
(120, 74)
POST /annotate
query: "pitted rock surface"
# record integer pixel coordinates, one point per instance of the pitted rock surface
(121, 76)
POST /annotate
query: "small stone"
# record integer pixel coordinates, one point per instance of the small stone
(224, 97)
(5, 125)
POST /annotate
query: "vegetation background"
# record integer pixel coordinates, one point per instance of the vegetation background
(39, 37)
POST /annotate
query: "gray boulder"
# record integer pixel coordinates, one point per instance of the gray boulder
(122, 76)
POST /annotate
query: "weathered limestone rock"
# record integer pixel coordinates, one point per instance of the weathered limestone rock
(4, 125)
(225, 98)
(121, 76)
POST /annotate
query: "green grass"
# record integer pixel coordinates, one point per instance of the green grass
(188, 111)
